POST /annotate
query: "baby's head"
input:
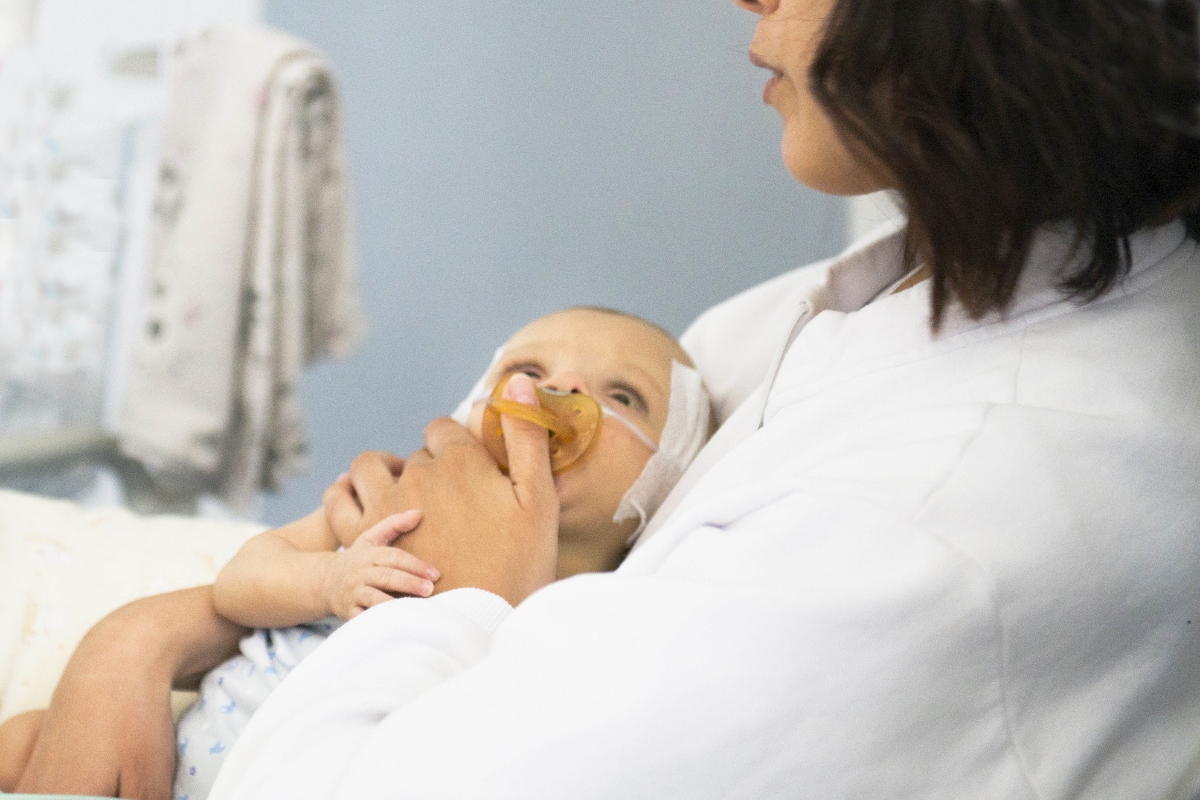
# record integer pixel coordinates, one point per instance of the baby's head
(626, 364)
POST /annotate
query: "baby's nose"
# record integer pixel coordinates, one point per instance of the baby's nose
(568, 382)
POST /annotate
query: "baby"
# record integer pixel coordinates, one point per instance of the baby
(297, 583)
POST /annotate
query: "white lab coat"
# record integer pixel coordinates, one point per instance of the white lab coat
(952, 567)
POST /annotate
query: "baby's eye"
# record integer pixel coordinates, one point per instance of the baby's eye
(628, 397)
(533, 370)
(624, 398)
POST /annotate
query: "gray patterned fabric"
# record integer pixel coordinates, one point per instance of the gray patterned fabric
(252, 274)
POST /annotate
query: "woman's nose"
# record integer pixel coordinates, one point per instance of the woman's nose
(570, 382)
(760, 7)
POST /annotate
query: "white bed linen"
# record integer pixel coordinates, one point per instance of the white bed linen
(63, 567)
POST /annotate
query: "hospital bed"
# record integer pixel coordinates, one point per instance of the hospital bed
(52, 591)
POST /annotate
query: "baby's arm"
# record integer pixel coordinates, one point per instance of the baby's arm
(296, 574)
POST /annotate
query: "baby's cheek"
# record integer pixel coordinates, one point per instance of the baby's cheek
(624, 458)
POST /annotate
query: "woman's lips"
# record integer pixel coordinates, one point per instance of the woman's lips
(767, 89)
(759, 61)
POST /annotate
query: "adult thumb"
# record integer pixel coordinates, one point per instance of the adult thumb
(528, 447)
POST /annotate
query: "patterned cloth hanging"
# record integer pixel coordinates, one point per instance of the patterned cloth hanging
(252, 274)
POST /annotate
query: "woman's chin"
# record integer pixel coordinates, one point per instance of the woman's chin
(817, 173)
(816, 156)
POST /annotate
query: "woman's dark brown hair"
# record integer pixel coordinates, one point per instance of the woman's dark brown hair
(994, 117)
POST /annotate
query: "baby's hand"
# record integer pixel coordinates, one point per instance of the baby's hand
(370, 571)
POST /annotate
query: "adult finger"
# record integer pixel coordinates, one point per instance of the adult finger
(528, 448)
(384, 532)
(341, 484)
(443, 433)
(372, 477)
(343, 513)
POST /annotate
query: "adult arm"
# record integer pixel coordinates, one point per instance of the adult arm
(108, 730)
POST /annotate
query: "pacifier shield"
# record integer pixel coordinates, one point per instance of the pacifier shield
(572, 420)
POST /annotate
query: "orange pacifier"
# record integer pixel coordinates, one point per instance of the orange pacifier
(572, 419)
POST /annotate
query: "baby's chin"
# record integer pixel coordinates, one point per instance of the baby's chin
(573, 503)
(567, 487)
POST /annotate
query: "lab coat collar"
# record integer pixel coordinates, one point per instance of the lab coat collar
(852, 335)
(840, 332)
(853, 279)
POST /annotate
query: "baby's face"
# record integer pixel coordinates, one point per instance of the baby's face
(625, 365)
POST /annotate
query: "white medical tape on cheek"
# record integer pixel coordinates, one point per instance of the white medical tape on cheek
(478, 392)
(684, 433)
(638, 432)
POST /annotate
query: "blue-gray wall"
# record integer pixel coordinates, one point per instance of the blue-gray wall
(510, 159)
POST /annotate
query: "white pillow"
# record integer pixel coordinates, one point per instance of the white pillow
(63, 567)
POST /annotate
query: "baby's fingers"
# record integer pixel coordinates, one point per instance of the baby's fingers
(396, 558)
(366, 597)
(398, 581)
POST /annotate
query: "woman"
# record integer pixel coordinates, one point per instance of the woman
(944, 544)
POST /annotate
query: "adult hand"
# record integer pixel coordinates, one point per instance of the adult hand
(344, 512)
(108, 730)
(479, 527)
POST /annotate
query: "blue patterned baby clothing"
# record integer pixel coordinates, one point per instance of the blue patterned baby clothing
(230, 694)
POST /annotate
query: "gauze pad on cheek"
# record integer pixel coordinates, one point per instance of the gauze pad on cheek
(684, 434)
(478, 392)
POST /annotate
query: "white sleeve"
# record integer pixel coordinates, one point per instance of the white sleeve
(301, 741)
(744, 676)
(756, 673)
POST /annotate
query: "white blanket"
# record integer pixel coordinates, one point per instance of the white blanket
(252, 274)
(63, 567)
